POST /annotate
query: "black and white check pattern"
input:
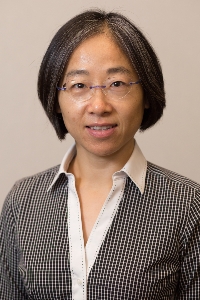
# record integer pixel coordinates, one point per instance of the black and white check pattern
(151, 250)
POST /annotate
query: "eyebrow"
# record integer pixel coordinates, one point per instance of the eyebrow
(110, 71)
(120, 69)
(77, 72)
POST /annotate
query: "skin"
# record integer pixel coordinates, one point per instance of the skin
(100, 153)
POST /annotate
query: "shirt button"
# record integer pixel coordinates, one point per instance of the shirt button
(79, 282)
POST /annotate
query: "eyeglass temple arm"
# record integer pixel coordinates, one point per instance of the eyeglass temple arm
(135, 82)
(61, 88)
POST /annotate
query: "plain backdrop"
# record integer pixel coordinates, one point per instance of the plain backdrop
(28, 141)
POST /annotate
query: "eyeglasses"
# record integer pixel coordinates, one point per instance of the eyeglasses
(83, 91)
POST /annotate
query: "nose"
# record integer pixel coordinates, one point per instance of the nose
(99, 103)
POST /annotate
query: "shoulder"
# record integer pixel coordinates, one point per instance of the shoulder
(177, 194)
(41, 179)
(29, 187)
(170, 177)
(175, 190)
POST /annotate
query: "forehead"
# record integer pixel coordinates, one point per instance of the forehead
(98, 53)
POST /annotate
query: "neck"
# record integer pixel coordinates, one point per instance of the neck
(98, 169)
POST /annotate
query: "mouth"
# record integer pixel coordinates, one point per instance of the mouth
(102, 128)
(101, 131)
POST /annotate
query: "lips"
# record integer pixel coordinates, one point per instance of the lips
(101, 130)
(101, 127)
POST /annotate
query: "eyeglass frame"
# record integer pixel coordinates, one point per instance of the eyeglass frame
(102, 87)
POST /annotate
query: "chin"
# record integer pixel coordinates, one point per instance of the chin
(104, 151)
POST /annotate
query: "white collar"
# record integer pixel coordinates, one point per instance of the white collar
(135, 168)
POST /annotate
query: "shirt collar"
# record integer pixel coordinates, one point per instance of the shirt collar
(69, 155)
(135, 168)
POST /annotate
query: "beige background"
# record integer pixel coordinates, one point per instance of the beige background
(28, 142)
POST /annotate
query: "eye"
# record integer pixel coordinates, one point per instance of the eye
(78, 85)
(118, 84)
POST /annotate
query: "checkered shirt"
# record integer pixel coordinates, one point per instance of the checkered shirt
(151, 250)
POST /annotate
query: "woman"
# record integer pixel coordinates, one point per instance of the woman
(105, 224)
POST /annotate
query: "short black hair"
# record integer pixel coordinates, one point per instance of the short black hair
(128, 37)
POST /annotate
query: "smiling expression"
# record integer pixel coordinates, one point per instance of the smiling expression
(100, 125)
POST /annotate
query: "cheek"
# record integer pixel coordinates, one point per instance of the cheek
(132, 119)
(134, 111)
(71, 117)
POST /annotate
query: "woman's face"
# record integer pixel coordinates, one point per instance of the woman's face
(101, 125)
